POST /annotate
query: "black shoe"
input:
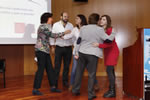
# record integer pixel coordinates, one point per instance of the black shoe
(110, 94)
(36, 92)
(55, 90)
(94, 96)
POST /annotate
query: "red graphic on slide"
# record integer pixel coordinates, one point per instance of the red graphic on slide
(19, 28)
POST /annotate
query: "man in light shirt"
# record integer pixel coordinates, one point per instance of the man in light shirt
(63, 50)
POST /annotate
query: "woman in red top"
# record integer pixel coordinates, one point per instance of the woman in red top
(111, 53)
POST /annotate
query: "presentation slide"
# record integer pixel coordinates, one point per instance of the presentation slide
(20, 19)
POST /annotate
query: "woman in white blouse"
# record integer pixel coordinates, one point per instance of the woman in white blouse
(80, 21)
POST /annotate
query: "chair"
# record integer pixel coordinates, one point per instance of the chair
(2, 69)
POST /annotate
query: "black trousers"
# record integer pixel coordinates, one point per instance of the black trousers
(65, 54)
(44, 62)
(89, 62)
(111, 76)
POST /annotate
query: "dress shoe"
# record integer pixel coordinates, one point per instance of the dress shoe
(110, 93)
(55, 90)
(36, 92)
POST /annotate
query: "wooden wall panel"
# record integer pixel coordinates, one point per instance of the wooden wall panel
(30, 65)
(14, 59)
(145, 13)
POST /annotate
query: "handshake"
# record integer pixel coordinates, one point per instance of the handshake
(61, 34)
(66, 32)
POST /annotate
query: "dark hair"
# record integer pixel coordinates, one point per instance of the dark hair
(108, 21)
(93, 18)
(83, 20)
(45, 16)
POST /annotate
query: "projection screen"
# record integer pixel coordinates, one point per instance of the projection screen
(19, 20)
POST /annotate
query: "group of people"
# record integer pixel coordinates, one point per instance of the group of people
(90, 40)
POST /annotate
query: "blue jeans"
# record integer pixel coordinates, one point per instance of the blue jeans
(74, 66)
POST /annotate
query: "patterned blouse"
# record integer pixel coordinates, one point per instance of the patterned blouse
(44, 33)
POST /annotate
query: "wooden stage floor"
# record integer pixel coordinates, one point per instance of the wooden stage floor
(20, 88)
